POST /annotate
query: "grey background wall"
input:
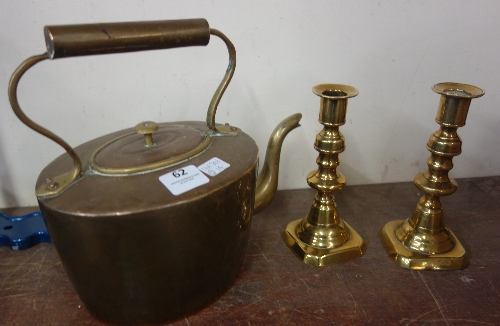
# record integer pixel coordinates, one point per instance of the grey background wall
(392, 51)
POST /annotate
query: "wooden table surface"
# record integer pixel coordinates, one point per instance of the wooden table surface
(275, 288)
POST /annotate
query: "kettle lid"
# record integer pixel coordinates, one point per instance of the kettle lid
(96, 194)
(149, 147)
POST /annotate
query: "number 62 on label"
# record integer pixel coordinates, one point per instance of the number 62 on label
(179, 173)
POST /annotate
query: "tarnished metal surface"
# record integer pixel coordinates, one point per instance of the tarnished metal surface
(76, 40)
(58, 183)
(134, 250)
(128, 153)
(89, 39)
(267, 182)
(274, 288)
(96, 194)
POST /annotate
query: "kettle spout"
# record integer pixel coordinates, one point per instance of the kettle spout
(267, 181)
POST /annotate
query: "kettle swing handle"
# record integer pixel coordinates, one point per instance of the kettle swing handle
(103, 38)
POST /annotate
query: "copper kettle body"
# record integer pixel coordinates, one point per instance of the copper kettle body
(135, 251)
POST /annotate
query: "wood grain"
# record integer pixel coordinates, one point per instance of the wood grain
(275, 288)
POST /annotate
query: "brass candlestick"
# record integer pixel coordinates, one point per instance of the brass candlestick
(423, 241)
(322, 238)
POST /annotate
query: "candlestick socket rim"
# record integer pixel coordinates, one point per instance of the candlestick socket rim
(458, 90)
(335, 91)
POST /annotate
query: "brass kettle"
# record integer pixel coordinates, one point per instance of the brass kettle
(137, 246)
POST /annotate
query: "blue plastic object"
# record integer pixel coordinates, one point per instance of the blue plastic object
(23, 232)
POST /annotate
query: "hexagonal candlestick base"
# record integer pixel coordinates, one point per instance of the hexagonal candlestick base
(315, 256)
(410, 259)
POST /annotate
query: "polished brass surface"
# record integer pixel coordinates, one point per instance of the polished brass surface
(322, 237)
(423, 242)
(134, 251)
(316, 256)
